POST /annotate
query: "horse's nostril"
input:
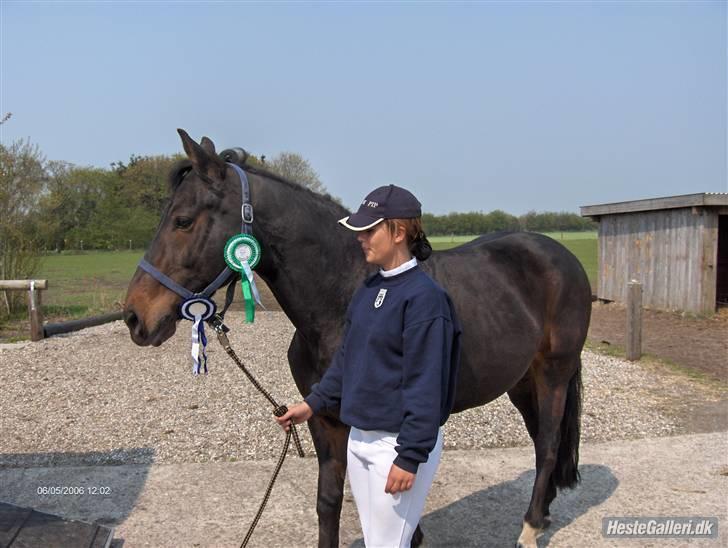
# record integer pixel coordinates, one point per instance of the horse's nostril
(134, 324)
(137, 329)
(131, 319)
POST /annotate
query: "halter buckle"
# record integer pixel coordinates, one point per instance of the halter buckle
(247, 212)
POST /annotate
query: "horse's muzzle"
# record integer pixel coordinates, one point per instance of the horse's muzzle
(141, 336)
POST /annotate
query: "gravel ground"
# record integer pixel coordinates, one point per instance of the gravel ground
(94, 397)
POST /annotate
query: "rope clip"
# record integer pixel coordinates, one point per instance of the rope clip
(217, 324)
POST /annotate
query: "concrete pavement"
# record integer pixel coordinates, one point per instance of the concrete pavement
(478, 499)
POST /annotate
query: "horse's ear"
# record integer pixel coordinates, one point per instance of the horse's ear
(209, 146)
(203, 161)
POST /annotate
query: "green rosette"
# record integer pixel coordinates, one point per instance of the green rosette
(242, 254)
(242, 248)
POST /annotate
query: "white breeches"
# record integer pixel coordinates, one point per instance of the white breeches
(387, 521)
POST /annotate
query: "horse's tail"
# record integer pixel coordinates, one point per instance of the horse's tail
(566, 471)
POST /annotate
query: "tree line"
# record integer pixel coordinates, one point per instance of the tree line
(57, 206)
(483, 223)
(53, 206)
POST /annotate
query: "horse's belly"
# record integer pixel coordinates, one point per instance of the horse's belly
(491, 364)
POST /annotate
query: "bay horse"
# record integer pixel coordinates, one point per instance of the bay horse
(523, 299)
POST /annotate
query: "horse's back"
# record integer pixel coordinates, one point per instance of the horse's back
(515, 294)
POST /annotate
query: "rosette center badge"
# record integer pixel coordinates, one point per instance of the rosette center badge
(242, 249)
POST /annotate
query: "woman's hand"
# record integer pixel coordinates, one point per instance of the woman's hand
(399, 480)
(296, 414)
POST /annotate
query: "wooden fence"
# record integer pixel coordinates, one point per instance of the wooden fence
(35, 311)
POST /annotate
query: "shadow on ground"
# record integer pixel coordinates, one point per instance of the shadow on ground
(104, 493)
(493, 517)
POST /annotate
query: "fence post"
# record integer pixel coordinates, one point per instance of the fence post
(36, 313)
(634, 320)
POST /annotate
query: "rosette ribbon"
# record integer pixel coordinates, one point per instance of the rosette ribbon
(198, 310)
(242, 254)
(250, 293)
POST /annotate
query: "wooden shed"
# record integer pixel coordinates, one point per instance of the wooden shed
(677, 247)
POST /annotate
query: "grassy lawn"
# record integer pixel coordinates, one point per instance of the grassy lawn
(87, 284)
(447, 241)
(79, 285)
(94, 282)
(586, 252)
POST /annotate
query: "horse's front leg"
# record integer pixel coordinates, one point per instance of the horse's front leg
(330, 438)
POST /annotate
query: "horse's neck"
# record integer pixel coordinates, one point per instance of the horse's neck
(312, 266)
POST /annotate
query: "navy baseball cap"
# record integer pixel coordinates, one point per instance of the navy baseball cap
(385, 202)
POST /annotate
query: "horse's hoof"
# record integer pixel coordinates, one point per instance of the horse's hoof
(528, 537)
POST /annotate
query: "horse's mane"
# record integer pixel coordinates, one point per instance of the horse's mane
(177, 172)
(292, 184)
(182, 167)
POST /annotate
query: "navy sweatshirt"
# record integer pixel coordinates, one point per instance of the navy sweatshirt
(396, 367)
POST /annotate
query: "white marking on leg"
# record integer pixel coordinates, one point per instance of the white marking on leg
(528, 536)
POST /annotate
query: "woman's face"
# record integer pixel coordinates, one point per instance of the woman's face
(378, 244)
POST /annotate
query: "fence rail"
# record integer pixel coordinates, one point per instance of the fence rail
(23, 284)
(74, 325)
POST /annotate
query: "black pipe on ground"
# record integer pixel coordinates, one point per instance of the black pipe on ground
(51, 329)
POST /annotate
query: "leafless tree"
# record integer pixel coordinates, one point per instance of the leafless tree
(22, 177)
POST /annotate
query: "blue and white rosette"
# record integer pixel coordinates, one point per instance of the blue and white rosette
(198, 310)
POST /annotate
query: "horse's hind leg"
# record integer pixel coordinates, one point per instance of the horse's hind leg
(330, 438)
(524, 398)
(549, 397)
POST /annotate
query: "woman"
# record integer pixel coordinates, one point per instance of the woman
(393, 378)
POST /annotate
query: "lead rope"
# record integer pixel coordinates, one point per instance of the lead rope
(279, 411)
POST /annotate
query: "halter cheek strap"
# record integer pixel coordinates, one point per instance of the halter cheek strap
(246, 210)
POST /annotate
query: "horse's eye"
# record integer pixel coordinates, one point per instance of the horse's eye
(182, 222)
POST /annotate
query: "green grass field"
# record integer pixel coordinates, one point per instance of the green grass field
(79, 285)
(86, 284)
(92, 283)
(443, 240)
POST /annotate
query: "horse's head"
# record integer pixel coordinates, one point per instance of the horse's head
(203, 212)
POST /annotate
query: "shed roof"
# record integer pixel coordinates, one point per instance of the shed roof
(702, 199)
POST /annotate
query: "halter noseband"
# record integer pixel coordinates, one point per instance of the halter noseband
(200, 307)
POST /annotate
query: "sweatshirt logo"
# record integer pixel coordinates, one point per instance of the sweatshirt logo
(380, 298)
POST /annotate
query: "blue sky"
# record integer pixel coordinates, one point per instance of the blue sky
(472, 106)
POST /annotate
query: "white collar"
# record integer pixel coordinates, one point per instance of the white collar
(401, 268)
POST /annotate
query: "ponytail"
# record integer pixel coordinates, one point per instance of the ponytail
(420, 247)
(418, 244)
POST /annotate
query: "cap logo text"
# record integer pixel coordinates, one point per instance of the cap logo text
(370, 204)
